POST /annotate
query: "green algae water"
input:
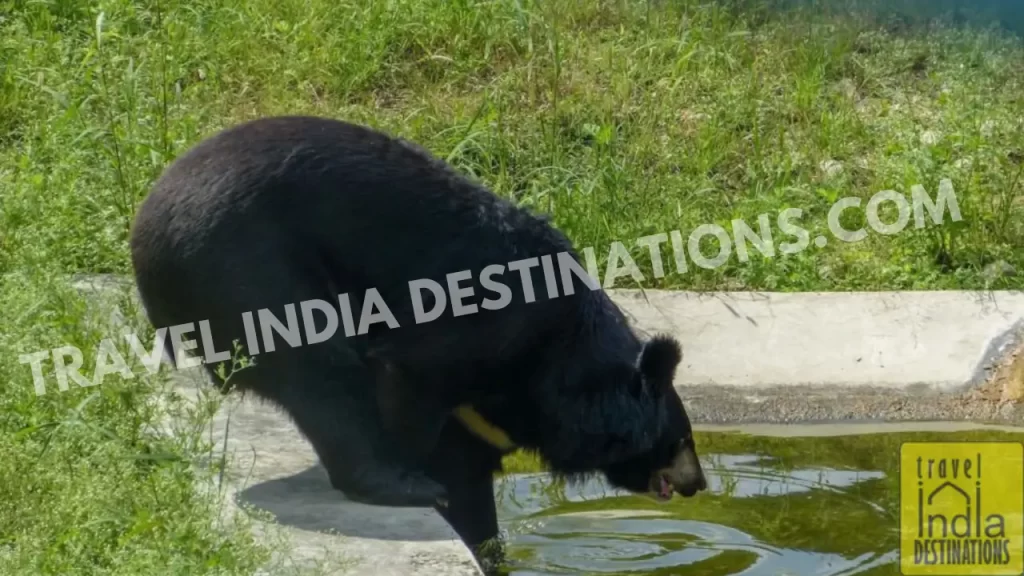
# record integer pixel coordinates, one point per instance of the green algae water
(775, 506)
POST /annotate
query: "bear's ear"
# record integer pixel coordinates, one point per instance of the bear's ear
(659, 359)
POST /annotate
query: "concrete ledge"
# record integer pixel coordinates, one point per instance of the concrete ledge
(945, 341)
(786, 358)
(852, 429)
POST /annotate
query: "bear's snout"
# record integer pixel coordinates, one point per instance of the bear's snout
(686, 475)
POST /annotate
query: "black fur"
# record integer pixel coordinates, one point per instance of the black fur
(287, 209)
(466, 464)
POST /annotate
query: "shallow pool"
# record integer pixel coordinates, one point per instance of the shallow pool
(801, 506)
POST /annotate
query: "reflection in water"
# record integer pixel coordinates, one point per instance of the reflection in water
(570, 530)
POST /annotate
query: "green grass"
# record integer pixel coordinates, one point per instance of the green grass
(621, 119)
(88, 484)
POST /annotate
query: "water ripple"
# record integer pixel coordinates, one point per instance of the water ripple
(625, 541)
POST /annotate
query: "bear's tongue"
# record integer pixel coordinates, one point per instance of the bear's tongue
(666, 488)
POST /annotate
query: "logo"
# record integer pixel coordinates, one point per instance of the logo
(962, 508)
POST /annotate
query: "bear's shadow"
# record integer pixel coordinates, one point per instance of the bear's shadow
(307, 501)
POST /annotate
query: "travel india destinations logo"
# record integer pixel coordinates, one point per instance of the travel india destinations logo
(962, 508)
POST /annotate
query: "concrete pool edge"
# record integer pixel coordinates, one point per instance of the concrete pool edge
(943, 341)
(737, 354)
(791, 405)
(825, 429)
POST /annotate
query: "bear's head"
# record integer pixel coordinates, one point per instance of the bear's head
(671, 466)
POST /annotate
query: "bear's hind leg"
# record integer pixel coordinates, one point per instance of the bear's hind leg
(336, 413)
(412, 413)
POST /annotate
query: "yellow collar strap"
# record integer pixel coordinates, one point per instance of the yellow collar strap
(487, 432)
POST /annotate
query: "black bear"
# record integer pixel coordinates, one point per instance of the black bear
(469, 451)
(346, 222)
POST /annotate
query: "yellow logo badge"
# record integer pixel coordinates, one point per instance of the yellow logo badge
(962, 508)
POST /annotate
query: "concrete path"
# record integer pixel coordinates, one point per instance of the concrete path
(748, 358)
(826, 357)
(939, 340)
